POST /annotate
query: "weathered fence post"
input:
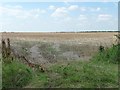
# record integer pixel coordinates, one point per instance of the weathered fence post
(8, 47)
(4, 51)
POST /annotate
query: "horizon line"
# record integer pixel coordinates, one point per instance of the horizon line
(60, 32)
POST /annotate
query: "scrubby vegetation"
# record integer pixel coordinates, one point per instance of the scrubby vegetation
(15, 75)
(110, 55)
(48, 52)
(99, 72)
(85, 75)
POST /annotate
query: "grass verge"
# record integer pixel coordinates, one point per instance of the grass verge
(15, 75)
(100, 72)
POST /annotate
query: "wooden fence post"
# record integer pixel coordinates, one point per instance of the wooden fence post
(4, 51)
(8, 47)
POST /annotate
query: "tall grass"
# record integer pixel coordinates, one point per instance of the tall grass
(15, 75)
(100, 72)
(110, 55)
(85, 75)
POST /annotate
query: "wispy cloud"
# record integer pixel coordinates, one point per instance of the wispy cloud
(59, 16)
(19, 12)
(94, 9)
(52, 7)
(82, 17)
(60, 12)
(83, 8)
(104, 17)
(73, 7)
(65, 11)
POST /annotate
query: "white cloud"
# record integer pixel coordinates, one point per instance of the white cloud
(83, 8)
(10, 11)
(60, 12)
(104, 17)
(94, 9)
(98, 9)
(19, 12)
(37, 11)
(73, 7)
(51, 7)
(82, 17)
(43, 11)
(66, 2)
(16, 6)
(105, 1)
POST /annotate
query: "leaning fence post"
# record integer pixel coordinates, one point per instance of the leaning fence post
(4, 51)
(8, 47)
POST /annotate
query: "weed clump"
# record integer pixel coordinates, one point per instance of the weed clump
(101, 48)
(110, 55)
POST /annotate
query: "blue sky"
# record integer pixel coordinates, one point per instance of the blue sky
(58, 16)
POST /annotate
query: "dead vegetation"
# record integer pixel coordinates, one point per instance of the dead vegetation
(64, 53)
(35, 49)
(93, 38)
(8, 56)
(6, 51)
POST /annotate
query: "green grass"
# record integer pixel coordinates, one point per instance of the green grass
(86, 75)
(76, 74)
(100, 72)
(15, 75)
(110, 55)
(39, 80)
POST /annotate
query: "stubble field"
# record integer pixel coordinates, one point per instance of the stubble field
(80, 38)
(67, 46)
